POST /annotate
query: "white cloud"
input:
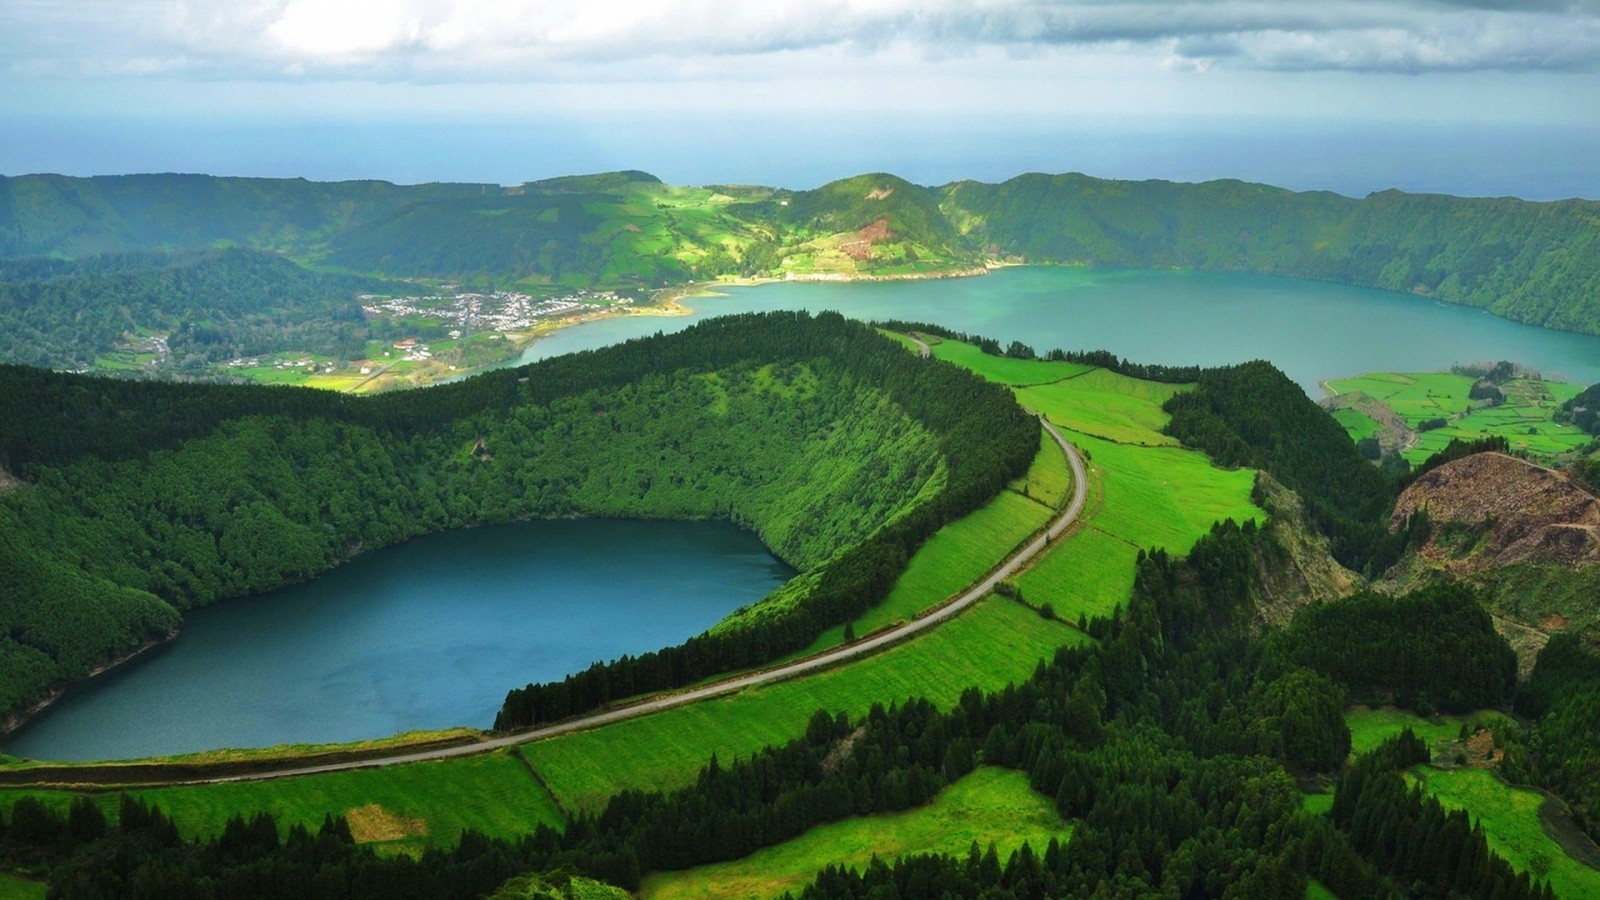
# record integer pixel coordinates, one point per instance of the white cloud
(521, 40)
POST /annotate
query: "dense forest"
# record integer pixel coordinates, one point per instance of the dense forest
(1532, 262)
(1174, 743)
(212, 305)
(839, 449)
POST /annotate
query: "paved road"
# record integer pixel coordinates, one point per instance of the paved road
(827, 659)
(922, 346)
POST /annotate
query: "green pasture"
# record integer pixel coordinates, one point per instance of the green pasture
(1105, 404)
(494, 793)
(1164, 496)
(1004, 369)
(1371, 727)
(1356, 423)
(991, 805)
(1088, 573)
(1049, 478)
(996, 642)
(1524, 419)
(1509, 817)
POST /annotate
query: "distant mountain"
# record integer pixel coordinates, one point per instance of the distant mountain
(1532, 262)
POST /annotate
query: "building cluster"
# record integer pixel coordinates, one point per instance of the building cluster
(500, 311)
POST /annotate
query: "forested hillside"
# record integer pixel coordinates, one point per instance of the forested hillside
(211, 305)
(842, 451)
(1532, 262)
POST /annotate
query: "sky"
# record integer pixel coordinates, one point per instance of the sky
(1462, 96)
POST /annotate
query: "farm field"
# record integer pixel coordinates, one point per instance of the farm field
(1371, 727)
(996, 642)
(991, 805)
(1152, 493)
(1004, 369)
(397, 807)
(1509, 817)
(1524, 419)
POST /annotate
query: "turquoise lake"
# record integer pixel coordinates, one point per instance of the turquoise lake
(427, 634)
(1310, 329)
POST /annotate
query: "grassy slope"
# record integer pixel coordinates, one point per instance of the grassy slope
(1509, 817)
(995, 643)
(1419, 396)
(989, 806)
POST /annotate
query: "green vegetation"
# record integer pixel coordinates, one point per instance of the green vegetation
(13, 887)
(1433, 648)
(995, 643)
(159, 313)
(1522, 410)
(990, 806)
(198, 493)
(1371, 726)
(1510, 820)
(1252, 415)
(1007, 370)
(1532, 262)
(398, 807)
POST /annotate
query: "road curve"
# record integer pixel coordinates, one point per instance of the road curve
(826, 659)
(922, 346)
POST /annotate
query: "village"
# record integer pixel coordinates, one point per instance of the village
(502, 311)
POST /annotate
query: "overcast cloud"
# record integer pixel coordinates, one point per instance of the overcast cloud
(518, 40)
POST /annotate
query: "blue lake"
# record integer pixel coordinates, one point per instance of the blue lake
(427, 634)
(1310, 329)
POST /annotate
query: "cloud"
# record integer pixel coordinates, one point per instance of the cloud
(523, 40)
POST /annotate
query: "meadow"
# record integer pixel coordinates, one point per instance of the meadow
(994, 643)
(1524, 419)
(400, 808)
(1146, 491)
(990, 806)
(1509, 817)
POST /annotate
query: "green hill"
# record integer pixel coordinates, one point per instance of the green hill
(1532, 262)
(146, 499)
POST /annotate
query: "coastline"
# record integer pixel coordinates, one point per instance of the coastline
(18, 719)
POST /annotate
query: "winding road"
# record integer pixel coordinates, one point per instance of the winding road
(929, 619)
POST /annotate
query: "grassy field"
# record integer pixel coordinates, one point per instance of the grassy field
(1089, 573)
(1004, 369)
(989, 806)
(1356, 423)
(1106, 405)
(1164, 496)
(996, 642)
(402, 807)
(1524, 419)
(1049, 479)
(1371, 727)
(1510, 820)
(14, 887)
